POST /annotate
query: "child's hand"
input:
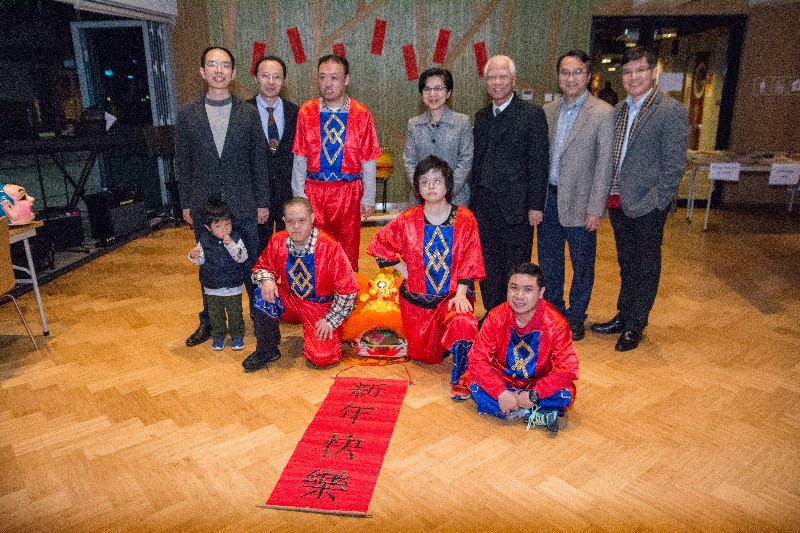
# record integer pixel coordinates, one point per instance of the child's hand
(226, 239)
(194, 253)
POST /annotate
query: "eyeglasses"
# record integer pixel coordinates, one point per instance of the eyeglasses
(271, 77)
(498, 77)
(577, 73)
(437, 89)
(637, 71)
(430, 183)
(224, 65)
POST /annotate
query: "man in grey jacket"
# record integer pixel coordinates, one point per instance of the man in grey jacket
(649, 154)
(221, 153)
(581, 134)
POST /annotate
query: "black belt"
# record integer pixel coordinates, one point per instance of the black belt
(552, 188)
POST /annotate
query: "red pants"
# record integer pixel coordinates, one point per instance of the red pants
(431, 332)
(299, 311)
(337, 211)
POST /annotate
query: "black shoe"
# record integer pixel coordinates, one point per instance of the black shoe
(258, 360)
(578, 331)
(200, 335)
(615, 325)
(629, 340)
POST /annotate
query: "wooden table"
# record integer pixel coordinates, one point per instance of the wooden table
(23, 233)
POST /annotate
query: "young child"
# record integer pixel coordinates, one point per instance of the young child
(220, 253)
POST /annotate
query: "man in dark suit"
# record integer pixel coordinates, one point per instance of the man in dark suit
(221, 153)
(509, 177)
(581, 134)
(279, 122)
(649, 154)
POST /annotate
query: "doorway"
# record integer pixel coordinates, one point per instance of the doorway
(702, 54)
(123, 70)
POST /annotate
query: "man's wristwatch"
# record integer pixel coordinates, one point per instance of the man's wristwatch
(534, 396)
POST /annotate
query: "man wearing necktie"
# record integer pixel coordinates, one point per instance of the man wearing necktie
(279, 120)
(509, 177)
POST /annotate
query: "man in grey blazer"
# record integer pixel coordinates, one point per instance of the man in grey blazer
(649, 154)
(221, 153)
(279, 122)
(581, 135)
(509, 177)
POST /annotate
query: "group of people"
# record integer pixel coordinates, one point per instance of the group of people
(309, 172)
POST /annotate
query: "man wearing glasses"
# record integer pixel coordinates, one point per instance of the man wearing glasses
(278, 120)
(221, 153)
(650, 133)
(581, 135)
(509, 177)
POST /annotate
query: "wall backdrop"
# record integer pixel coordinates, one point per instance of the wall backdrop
(388, 41)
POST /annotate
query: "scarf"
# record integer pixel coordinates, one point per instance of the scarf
(619, 139)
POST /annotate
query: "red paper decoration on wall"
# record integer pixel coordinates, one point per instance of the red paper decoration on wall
(338, 49)
(441, 46)
(480, 57)
(258, 52)
(378, 35)
(297, 45)
(411, 62)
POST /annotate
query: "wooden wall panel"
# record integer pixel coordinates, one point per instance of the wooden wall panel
(533, 33)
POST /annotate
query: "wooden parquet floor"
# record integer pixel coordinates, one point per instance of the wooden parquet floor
(116, 426)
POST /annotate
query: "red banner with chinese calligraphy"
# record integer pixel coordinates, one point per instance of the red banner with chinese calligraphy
(336, 464)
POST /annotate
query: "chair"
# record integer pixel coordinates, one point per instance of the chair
(7, 280)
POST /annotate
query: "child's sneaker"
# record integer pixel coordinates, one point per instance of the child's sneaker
(218, 344)
(237, 343)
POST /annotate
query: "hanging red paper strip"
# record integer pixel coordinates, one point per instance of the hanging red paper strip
(441, 46)
(258, 52)
(378, 34)
(297, 45)
(338, 49)
(480, 57)
(336, 464)
(411, 62)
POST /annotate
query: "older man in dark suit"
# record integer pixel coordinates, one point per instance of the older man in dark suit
(650, 133)
(509, 177)
(581, 135)
(221, 153)
(279, 122)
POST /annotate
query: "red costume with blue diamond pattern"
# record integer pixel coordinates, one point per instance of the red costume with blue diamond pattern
(552, 369)
(332, 273)
(333, 173)
(433, 330)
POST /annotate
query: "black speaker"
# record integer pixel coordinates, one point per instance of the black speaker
(62, 227)
(116, 213)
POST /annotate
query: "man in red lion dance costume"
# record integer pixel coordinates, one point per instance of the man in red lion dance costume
(523, 363)
(335, 150)
(303, 277)
(435, 246)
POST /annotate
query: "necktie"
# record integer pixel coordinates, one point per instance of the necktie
(272, 130)
(496, 111)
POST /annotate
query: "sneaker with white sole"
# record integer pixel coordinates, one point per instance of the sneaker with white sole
(218, 344)
(237, 343)
(543, 417)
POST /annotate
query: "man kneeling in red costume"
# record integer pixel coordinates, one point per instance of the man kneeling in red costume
(523, 363)
(304, 277)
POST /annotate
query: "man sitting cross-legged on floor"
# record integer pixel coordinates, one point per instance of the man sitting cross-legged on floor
(304, 277)
(523, 363)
